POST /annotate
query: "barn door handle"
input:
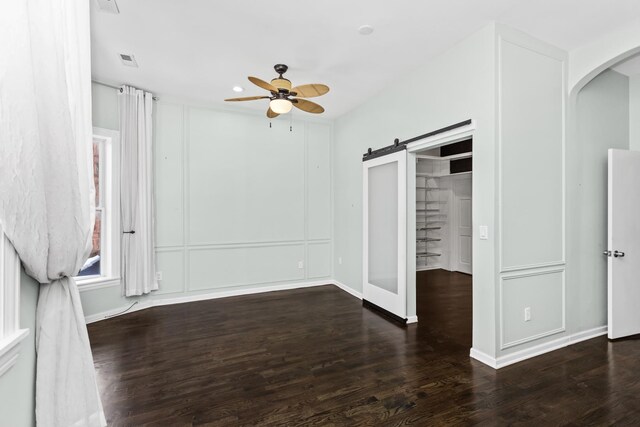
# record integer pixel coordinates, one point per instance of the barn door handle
(618, 254)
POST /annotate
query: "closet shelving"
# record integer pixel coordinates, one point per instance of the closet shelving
(431, 215)
(433, 192)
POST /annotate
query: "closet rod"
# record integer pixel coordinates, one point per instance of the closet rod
(155, 98)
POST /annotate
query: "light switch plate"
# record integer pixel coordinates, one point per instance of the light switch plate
(484, 232)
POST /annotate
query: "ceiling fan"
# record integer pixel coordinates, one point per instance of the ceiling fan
(283, 97)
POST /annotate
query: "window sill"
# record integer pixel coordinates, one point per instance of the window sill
(97, 283)
(10, 349)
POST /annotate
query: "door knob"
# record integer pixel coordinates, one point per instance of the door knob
(606, 253)
(618, 254)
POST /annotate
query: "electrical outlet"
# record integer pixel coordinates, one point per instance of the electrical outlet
(158, 275)
(527, 314)
(300, 264)
(340, 260)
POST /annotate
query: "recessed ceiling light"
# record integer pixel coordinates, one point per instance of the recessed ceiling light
(238, 89)
(365, 30)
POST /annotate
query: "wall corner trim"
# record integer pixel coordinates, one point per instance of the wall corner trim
(537, 350)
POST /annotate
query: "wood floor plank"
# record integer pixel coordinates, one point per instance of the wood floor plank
(315, 356)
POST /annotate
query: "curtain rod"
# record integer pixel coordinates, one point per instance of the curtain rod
(155, 98)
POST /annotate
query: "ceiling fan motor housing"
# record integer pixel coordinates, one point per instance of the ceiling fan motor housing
(280, 82)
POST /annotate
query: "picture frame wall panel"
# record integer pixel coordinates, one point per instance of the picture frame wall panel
(251, 176)
(171, 264)
(543, 292)
(319, 208)
(531, 157)
(168, 171)
(223, 267)
(318, 260)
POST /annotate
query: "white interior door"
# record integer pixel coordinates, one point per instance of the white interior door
(624, 243)
(385, 232)
(463, 229)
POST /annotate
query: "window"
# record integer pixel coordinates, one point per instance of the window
(91, 267)
(104, 260)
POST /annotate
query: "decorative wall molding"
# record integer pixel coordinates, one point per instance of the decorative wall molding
(530, 273)
(519, 39)
(527, 267)
(10, 333)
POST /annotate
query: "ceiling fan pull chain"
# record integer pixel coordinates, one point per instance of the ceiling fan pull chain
(269, 124)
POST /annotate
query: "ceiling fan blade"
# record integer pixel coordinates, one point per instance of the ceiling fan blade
(264, 85)
(308, 106)
(310, 90)
(247, 98)
(271, 114)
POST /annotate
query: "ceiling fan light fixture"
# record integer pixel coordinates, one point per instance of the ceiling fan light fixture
(280, 106)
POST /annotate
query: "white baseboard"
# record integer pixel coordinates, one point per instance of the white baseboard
(149, 302)
(431, 267)
(141, 305)
(528, 353)
(483, 357)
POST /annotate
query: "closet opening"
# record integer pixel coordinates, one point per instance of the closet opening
(444, 239)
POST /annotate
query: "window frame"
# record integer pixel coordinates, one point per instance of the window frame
(109, 141)
(10, 333)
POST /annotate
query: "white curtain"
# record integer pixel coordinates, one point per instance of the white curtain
(46, 189)
(136, 192)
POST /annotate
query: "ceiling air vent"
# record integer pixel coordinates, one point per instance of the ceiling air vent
(108, 6)
(128, 60)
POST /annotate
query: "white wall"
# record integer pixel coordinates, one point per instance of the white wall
(238, 204)
(17, 386)
(602, 117)
(456, 86)
(528, 171)
(514, 88)
(531, 233)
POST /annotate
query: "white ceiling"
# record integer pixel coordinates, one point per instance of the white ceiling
(199, 49)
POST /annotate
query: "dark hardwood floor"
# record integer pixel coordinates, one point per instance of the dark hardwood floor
(444, 305)
(315, 357)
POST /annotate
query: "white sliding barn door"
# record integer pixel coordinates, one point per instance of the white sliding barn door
(385, 232)
(624, 243)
